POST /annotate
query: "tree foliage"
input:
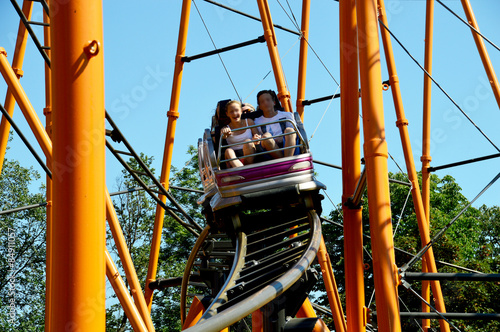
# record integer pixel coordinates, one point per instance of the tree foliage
(472, 242)
(136, 212)
(22, 251)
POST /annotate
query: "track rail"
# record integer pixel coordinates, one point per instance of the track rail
(266, 261)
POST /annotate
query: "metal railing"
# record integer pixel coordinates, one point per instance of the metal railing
(296, 131)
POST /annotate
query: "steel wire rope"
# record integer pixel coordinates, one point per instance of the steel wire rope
(439, 86)
(294, 21)
(25, 141)
(470, 26)
(309, 45)
(401, 214)
(409, 253)
(215, 47)
(408, 286)
(324, 113)
(447, 226)
(394, 160)
(408, 310)
(334, 205)
(270, 71)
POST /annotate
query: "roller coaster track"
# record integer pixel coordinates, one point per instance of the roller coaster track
(264, 256)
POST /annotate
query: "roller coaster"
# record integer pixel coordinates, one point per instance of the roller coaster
(254, 258)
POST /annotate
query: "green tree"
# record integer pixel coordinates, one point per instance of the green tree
(136, 213)
(22, 251)
(473, 242)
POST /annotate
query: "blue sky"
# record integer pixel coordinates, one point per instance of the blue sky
(140, 43)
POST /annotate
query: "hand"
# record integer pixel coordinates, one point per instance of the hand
(226, 131)
(257, 136)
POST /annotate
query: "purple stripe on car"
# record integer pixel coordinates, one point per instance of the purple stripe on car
(262, 172)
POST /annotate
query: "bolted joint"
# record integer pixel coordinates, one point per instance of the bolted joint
(173, 114)
(181, 58)
(92, 48)
(353, 206)
(376, 147)
(425, 158)
(285, 94)
(394, 79)
(19, 72)
(401, 122)
(397, 276)
(3, 51)
(367, 316)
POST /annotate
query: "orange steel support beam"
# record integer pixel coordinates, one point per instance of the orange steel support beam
(483, 53)
(257, 321)
(123, 295)
(307, 311)
(351, 168)
(196, 310)
(128, 264)
(402, 124)
(78, 280)
(47, 111)
(272, 46)
(61, 168)
(375, 148)
(331, 288)
(173, 115)
(17, 65)
(426, 146)
(24, 104)
(301, 85)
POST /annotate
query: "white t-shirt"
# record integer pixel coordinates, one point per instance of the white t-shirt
(239, 137)
(276, 128)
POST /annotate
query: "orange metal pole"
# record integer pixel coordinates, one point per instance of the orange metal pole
(483, 53)
(123, 295)
(375, 147)
(47, 111)
(17, 65)
(257, 320)
(272, 46)
(351, 169)
(128, 264)
(307, 311)
(59, 173)
(402, 124)
(173, 115)
(301, 85)
(331, 288)
(196, 310)
(426, 153)
(24, 104)
(78, 284)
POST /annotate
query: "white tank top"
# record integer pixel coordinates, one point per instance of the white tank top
(240, 138)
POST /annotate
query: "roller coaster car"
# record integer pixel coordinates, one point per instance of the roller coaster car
(256, 182)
